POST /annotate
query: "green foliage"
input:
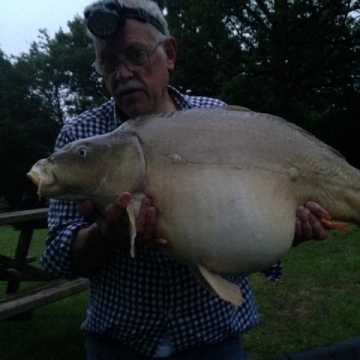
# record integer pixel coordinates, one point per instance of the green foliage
(39, 91)
(207, 55)
(38, 338)
(26, 134)
(290, 58)
(61, 72)
(53, 332)
(73, 56)
(315, 303)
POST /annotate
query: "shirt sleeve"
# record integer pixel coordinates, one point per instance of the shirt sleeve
(274, 272)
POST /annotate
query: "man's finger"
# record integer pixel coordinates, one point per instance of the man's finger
(150, 222)
(318, 231)
(142, 217)
(117, 211)
(304, 228)
(317, 210)
(154, 242)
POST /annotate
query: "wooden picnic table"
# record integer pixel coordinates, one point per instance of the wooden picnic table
(17, 269)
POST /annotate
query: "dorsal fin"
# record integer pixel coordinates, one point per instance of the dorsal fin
(236, 108)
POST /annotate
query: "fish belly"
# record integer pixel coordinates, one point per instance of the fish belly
(230, 220)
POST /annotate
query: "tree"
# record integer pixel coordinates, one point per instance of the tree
(39, 91)
(281, 56)
(26, 134)
(207, 54)
(62, 72)
(74, 54)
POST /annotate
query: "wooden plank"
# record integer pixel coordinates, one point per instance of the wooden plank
(30, 259)
(23, 216)
(15, 275)
(25, 221)
(23, 301)
(41, 274)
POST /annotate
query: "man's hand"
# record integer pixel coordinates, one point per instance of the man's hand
(146, 225)
(115, 226)
(94, 245)
(308, 223)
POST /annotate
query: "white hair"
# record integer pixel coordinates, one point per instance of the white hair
(150, 7)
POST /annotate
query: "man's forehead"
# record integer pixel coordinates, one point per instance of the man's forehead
(135, 34)
(133, 29)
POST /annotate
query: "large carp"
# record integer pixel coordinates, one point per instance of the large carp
(226, 183)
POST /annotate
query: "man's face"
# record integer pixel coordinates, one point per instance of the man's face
(144, 90)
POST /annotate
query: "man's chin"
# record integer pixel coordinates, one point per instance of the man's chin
(134, 94)
(134, 108)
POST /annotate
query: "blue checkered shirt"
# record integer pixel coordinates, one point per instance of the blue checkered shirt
(137, 301)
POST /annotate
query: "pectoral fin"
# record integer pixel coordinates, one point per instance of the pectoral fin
(131, 212)
(217, 285)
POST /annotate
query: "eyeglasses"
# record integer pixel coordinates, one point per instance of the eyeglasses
(133, 61)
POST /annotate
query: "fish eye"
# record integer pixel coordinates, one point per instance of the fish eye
(82, 151)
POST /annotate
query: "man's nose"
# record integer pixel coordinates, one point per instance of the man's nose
(122, 71)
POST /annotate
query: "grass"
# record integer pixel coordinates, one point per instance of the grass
(53, 332)
(315, 304)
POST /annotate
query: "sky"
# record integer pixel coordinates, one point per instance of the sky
(20, 21)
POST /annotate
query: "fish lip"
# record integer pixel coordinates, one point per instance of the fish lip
(43, 178)
(48, 185)
(34, 177)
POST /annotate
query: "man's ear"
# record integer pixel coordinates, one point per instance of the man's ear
(170, 46)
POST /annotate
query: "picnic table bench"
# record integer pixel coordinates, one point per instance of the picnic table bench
(17, 269)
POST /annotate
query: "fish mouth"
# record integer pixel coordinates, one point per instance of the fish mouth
(44, 178)
(33, 177)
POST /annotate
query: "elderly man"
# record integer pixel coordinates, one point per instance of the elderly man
(150, 306)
